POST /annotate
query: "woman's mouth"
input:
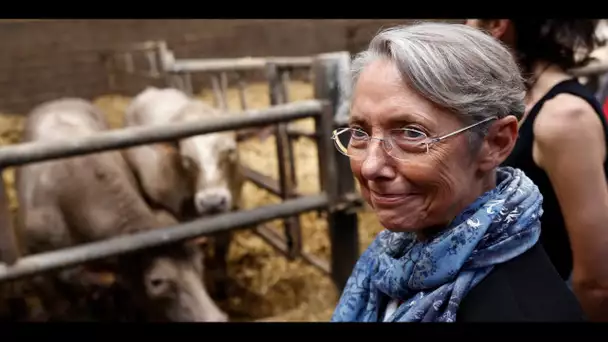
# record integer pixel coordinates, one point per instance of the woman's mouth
(388, 199)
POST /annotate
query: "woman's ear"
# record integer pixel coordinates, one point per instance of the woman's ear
(498, 143)
(501, 29)
(498, 28)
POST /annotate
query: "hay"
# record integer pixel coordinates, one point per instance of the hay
(265, 285)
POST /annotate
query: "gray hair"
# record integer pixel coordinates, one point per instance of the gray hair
(454, 66)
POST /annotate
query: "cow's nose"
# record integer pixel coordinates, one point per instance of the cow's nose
(211, 202)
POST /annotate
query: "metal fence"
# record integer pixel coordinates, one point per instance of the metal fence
(337, 197)
(154, 60)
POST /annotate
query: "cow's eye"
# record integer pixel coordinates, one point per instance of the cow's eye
(231, 153)
(188, 163)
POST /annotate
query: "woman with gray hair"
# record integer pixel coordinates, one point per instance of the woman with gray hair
(434, 112)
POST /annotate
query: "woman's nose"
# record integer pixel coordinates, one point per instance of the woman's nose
(375, 163)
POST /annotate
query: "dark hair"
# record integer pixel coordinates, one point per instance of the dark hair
(557, 41)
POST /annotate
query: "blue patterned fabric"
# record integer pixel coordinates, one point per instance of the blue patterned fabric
(432, 277)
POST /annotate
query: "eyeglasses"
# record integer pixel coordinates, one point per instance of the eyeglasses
(401, 142)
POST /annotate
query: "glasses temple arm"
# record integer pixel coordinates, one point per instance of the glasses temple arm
(463, 129)
(338, 131)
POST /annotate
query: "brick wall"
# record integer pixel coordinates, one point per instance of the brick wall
(46, 59)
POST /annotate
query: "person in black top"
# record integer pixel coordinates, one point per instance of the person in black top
(562, 148)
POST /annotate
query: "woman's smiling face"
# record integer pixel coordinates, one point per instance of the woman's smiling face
(425, 189)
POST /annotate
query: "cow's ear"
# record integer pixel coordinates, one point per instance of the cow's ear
(103, 279)
(171, 147)
(232, 153)
(199, 241)
(174, 144)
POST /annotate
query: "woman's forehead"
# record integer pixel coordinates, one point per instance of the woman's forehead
(393, 115)
(381, 95)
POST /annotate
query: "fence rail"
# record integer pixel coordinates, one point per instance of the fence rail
(127, 137)
(238, 64)
(50, 261)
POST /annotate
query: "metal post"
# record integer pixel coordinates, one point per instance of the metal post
(291, 225)
(189, 88)
(289, 139)
(337, 177)
(218, 95)
(242, 89)
(9, 248)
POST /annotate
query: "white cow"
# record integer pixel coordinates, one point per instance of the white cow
(196, 176)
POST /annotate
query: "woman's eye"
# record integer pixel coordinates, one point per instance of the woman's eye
(357, 134)
(412, 134)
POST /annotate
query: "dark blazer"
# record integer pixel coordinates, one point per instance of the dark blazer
(527, 288)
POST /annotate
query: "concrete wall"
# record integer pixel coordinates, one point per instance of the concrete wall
(46, 59)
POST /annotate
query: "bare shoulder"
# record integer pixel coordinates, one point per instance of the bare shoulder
(568, 119)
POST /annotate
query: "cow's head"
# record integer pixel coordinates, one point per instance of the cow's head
(167, 284)
(174, 285)
(168, 281)
(213, 161)
(161, 174)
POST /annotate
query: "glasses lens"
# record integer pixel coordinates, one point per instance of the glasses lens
(351, 142)
(407, 141)
(402, 143)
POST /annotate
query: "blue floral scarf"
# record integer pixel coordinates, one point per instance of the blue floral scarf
(432, 277)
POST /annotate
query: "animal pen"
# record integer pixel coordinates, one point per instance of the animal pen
(154, 62)
(338, 197)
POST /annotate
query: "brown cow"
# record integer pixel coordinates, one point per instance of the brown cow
(201, 172)
(94, 197)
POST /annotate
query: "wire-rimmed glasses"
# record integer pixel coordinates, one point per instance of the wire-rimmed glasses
(400, 143)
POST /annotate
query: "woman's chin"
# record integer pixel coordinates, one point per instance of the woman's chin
(398, 223)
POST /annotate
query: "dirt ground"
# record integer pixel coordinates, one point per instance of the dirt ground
(265, 285)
